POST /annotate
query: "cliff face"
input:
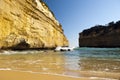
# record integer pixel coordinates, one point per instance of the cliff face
(101, 36)
(29, 24)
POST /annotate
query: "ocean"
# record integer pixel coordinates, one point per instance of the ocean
(94, 63)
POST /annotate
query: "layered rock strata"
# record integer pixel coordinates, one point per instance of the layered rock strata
(101, 36)
(29, 24)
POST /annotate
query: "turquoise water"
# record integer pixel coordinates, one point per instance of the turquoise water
(95, 61)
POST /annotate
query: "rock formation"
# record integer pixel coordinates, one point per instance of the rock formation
(101, 36)
(31, 23)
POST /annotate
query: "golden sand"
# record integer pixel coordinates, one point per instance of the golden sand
(15, 75)
(52, 63)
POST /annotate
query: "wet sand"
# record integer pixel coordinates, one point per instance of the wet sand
(17, 66)
(100, 75)
(16, 75)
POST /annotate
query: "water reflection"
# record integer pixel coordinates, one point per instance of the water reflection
(72, 61)
(60, 62)
(68, 63)
(39, 62)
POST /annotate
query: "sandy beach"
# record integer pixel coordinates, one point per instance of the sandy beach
(57, 66)
(16, 75)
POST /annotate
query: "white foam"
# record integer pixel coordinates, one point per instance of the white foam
(106, 69)
(57, 74)
(94, 78)
(45, 69)
(8, 52)
(4, 69)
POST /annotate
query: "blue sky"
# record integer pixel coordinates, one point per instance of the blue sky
(77, 15)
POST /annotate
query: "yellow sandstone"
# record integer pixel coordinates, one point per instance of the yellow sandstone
(30, 22)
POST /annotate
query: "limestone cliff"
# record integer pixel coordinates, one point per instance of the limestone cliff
(29, 24)
(101, 36)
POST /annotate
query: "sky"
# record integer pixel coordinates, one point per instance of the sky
(77, 15)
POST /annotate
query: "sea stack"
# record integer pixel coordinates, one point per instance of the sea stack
(29, 24)
(101, 36)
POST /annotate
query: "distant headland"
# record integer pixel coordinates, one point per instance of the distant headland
(101, 36)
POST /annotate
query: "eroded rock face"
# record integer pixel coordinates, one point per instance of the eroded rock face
(32, 21)
(101, 36)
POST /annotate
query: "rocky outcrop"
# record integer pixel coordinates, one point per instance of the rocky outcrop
(101, 36)
(31, 23)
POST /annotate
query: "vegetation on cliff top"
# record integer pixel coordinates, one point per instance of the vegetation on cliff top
(101, 36)
(100, 29)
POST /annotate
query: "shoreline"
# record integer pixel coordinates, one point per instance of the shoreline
(27, 49)
(29, 75)
(13, 75)
(24, 51)
(58, 68)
